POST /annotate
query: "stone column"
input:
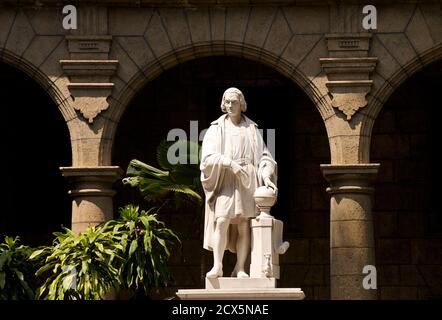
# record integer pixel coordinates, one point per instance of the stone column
(351, 228)
(91, 193)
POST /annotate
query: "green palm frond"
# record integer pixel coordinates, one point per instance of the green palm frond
(164, 185)
(162, 150)
(192, 152)
(185, 174)
(185, 190)
(138, 168)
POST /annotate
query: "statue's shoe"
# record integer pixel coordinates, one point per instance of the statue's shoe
(214, 273)
(239, 274)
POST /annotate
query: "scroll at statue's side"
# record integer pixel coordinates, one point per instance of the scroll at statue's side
(234, 163)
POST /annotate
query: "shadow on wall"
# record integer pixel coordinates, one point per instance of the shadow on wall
(407, 210)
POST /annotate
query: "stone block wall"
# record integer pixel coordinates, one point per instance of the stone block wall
(407, 211)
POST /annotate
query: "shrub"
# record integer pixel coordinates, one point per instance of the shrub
(80, 266)
(17, 281)
(131, 253)
(145, 241)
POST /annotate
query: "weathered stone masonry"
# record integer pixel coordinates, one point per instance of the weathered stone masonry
(348, 73)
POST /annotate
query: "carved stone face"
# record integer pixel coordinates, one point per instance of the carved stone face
(232, 104)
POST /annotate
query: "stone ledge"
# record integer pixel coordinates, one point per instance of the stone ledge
(194, 3)
(350, 178)
(242, 294)
(356, 168)
(104, 172)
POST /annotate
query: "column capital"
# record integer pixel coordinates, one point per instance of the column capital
(348, 69)
(350, 178)
(89, 66)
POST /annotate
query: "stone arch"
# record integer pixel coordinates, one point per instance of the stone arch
(222, 48)
(391, 84)
(151, 70)
(401, 75)
(42, 79)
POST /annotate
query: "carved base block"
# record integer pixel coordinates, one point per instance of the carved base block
(267, 245)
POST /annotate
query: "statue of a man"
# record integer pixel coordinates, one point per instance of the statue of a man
(234, 162)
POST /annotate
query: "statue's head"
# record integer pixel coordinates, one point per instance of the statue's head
(233, 95)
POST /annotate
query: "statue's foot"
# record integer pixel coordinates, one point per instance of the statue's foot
(215, 272)
(242, 275)
(239, 274)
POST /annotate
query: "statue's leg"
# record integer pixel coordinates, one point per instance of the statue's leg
(242, 248)
(220, 242)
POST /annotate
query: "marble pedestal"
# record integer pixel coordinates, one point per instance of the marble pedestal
(241, 289)
(267, 245)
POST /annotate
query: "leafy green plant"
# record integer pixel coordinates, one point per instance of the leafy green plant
(173, 182)
(83, 266)
(131, 252)
(16, 270)
(146, 243)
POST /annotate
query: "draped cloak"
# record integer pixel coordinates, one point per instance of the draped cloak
(213, 173)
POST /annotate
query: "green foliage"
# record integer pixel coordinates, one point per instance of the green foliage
(79, 266)
(131, 252)
(16, 271)
(145, 241)
(173, 182)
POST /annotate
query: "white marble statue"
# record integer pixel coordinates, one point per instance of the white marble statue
(234, 163)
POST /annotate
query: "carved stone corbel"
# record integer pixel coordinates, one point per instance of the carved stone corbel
(90, 73)
(348, 71)
(90, 84)
(90, 98)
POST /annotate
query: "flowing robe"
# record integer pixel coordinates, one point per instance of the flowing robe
(229, 195)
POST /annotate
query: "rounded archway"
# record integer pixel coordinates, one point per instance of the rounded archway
(36, 143)
(407, 210)
(192, 91)
(158, 65)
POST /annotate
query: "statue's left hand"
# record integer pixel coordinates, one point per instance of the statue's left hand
(269, 184)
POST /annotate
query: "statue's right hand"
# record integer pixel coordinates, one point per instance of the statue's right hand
(237, 169)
